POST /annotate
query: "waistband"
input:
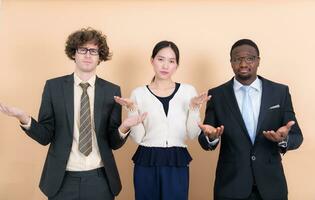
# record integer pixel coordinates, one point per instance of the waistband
(94, 172)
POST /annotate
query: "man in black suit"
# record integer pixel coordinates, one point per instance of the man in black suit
(254, 119)
(80, 120)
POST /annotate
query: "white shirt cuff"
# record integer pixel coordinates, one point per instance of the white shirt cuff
(123, 135)
(28, 125)
(284, 143)
(212, 143)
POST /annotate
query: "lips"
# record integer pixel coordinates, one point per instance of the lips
(244, 70)
(87, 62)
(164, 72)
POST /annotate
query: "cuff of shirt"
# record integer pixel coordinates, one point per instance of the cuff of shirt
(27, 126)
(123, 135)
(284, 143)
(213, 142)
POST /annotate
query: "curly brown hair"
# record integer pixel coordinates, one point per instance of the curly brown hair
(86, 35)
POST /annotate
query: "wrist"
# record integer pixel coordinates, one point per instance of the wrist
(212, 138)
(24, 119)
(193, 106)
(130, 108)
(124, 129)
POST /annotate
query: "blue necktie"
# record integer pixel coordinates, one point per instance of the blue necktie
(248, 113)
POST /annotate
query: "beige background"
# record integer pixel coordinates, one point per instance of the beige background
(33, 34)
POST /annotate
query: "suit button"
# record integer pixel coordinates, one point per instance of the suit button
(253, 158)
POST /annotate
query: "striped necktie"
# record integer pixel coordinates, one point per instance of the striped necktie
(85, 131)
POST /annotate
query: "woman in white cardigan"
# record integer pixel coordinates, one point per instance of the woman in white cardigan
(168, 113)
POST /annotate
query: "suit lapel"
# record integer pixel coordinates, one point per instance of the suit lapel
(68, 92)
(232, 102)
(98, 101)
(265, 101)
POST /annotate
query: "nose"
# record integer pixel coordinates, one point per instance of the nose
(87, 54)
(243, 63)
(165, 65)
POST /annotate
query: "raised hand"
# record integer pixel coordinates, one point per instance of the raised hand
(210, 131)
(132, 121)
(126, 103)
(22, 116)
(280, 134)
(197, 101)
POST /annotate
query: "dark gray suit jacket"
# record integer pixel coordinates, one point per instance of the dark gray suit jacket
(240, 163)
(55, 127)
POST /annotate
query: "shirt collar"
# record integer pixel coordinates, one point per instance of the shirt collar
(256, 85)
(77, 80)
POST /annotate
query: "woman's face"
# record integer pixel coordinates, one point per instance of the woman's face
(164, 63)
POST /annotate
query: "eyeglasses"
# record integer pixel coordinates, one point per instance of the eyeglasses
(247, 59)
(83, 50)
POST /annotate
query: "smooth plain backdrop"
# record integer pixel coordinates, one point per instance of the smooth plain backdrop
(33, 35)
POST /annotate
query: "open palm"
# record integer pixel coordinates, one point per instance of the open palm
(197, 101)
(134, 120)
(15, 112)
(11, 111)
(125, 102)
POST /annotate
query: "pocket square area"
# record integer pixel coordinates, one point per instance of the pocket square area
(275, 106)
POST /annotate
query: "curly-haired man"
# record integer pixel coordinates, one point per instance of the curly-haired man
(79, 118)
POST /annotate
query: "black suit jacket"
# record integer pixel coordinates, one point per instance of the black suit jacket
(240, 163)
(55, 127)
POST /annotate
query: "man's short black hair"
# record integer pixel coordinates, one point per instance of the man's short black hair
(244, 42)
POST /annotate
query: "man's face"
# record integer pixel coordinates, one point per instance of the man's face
(245, 62)
(86, 58)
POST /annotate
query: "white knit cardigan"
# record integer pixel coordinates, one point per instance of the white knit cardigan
(159, 130)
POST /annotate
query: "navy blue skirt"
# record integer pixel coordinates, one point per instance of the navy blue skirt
(162, 156)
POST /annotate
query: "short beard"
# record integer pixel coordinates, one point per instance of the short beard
(244, 78)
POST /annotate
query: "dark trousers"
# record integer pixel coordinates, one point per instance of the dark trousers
(84, 185)
(161, 183)
(253, 196)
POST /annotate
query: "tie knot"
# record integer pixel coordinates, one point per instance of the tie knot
(84, 86)
(245, 88)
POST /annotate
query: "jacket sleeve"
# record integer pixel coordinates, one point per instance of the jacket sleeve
(295, 138)
(43, 130)
(115, 140)
(210, 119)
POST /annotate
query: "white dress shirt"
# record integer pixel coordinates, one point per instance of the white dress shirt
(77, 161)
(255, 92)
